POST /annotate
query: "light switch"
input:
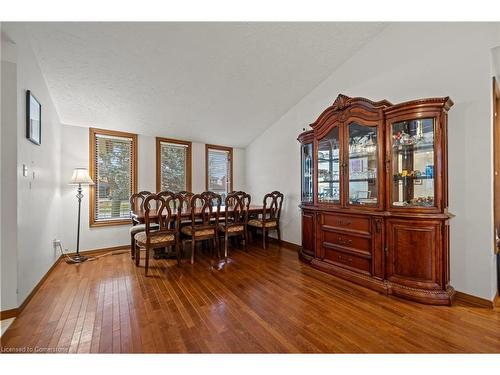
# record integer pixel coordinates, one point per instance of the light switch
(25, 170)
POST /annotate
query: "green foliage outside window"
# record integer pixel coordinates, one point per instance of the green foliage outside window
(173, 167)
(114, 177)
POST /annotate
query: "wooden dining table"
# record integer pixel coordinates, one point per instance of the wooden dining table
(138, 214)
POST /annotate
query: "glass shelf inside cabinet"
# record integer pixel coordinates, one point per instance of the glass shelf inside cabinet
(363, 162)
(413, 163)
(329, 168)
(307, 173)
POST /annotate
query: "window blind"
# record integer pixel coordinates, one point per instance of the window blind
(173, 166)
(219, 171)
(113, 172)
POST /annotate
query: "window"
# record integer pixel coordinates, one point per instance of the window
(173, 165)
(219, 169)
(113, 167)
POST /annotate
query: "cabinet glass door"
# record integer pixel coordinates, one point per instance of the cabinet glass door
(329, 168)
(307, 173)
(413, 163)
(363, 164)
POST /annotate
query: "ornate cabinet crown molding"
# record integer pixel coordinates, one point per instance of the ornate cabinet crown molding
(345, 106)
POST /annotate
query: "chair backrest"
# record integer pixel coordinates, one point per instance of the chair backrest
(234, 192)
(186, 199)
(272, 206)
(174, 203)
(207, 205)
(239, 192)
(137, 200)
(237, 206)
(164, 207)
(214, 197)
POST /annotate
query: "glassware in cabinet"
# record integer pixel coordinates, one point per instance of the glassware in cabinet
(307, 173)
(413, 177)
(362, 164)
(329, 168)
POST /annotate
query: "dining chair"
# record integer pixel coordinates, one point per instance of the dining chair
(136, 204)
(162, 206)
(186, 198)
(186, 205)
(205, 212)
(233, 193)
(237, 205)
(270, 219)
(175, 204)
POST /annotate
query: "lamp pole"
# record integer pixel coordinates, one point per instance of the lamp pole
(79, 258)
(80, 177)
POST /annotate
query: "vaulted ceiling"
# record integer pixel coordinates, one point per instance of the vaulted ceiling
(221, 83)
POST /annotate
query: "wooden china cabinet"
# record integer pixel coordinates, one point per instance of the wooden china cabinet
(375, 196)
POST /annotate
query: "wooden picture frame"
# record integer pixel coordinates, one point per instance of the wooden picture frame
(33, 119)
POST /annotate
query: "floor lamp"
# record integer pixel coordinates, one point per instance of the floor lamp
(80, 177)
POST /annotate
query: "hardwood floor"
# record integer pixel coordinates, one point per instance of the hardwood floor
(260, 301)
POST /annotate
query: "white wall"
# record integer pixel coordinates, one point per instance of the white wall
(495, 61)
(38, 195)
(404, 62)
(75, 141)
(8, 194)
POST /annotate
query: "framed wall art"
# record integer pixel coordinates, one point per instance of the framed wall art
(33, 119)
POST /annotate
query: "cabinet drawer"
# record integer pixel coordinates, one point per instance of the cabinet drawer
(362, 244)
(347, 222)
(346, 260)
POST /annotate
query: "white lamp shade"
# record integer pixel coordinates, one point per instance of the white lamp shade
(81, 176)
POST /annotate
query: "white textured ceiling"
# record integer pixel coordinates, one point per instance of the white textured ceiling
(221, 83)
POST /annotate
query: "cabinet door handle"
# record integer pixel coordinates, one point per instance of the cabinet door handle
(345, 259)
(343, 223)
(387, 163)
(344, 241)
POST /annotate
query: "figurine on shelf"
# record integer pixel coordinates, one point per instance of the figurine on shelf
(401, 138)
(397, 136)
(429, 170)
(406, 173)
(422, 201)
(406, 139)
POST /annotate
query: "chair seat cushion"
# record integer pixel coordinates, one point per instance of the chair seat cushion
(259, 223)
(142, 227)
(154, 238)
(232, 228)
(188, 230)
